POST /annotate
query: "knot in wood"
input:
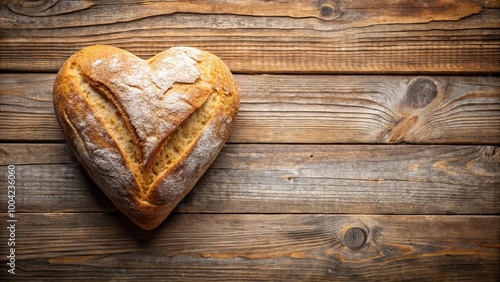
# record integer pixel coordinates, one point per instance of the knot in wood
(329, 9)
(42, 8)
(420, 92)
(355, 238)
(30, 8)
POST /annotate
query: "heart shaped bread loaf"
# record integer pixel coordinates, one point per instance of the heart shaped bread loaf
(145, 130)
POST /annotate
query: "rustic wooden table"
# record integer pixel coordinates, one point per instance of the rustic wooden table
(366, 148)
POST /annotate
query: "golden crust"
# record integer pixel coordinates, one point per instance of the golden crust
(145, 130)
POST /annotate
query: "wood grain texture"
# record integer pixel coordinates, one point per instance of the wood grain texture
(331, 36)
(309, 109)
(26, 108)
(414, 12)
(201, 247)
(363, 179)
(316, 183)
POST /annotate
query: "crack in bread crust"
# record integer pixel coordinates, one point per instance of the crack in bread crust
(102, 100)
(149, 93)
(178, 144)
(80, 139)
(112, 117)
(108, 112)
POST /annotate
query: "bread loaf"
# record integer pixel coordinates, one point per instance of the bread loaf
(145, 130)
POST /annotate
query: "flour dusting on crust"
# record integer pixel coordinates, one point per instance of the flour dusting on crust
(204, 151)
(142, 90)
(179, 67)
(104, 158)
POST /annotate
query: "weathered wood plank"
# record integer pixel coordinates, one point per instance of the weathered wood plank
(409, 12)
(211, 247)
(26, 108)
(362, 179)
(452, 36)
(309, 109)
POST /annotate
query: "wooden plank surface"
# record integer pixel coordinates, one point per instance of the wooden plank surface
(309, 109)
(315, 183)
(208, 247)
(363, 179)
(452, 36)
